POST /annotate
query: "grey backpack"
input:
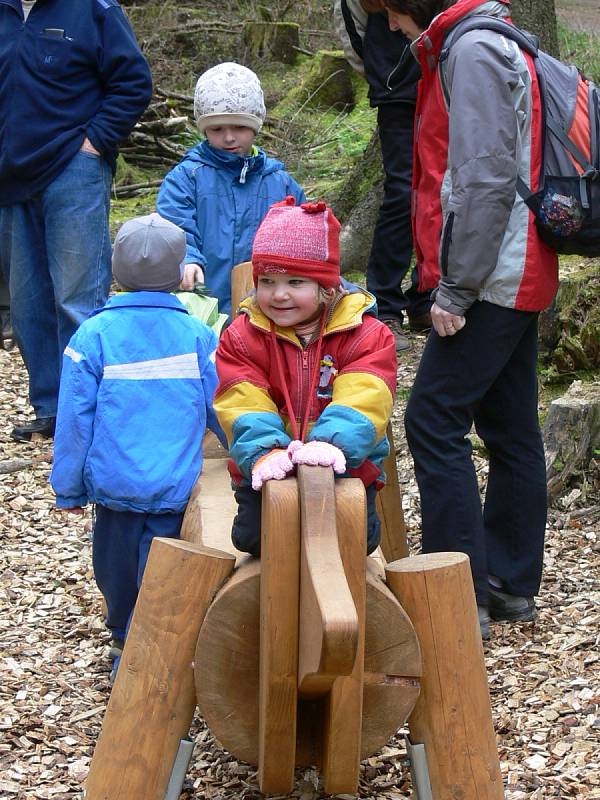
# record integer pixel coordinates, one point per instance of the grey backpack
(567, 205)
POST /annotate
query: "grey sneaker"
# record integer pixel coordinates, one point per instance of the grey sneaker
(484, 622)
(116, 648)
(402, 341)
(510, 607)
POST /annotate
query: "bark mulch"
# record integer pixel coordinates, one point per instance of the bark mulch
(544, 677)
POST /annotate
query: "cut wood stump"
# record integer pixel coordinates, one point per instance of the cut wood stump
(571, 434)
(277, 40)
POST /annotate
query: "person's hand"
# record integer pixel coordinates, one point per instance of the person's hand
(275, 465)
(88, 147)
(192, 274)
(75, 510)
(445, 323)
(318, 454)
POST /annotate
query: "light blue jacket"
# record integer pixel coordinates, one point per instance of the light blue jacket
(136, 394)
(220, 199)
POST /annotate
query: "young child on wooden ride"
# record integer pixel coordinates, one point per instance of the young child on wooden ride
(307, 373)
(135, 399)
(224, 186)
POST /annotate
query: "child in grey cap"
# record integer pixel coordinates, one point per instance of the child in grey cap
(135, 375)
(224, 186)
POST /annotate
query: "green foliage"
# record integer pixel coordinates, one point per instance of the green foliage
(581, 48)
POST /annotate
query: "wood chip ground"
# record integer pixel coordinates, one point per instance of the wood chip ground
(544, 677)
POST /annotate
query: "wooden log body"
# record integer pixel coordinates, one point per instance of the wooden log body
(153, 700)
(389, 508)
(227, 669)
(452, 717)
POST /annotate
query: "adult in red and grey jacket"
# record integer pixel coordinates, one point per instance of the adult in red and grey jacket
(479, 126)
(384, 57)
(73, 83)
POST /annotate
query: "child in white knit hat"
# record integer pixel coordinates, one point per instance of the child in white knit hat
(224, 186)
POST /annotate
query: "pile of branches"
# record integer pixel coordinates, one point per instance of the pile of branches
(156, 140)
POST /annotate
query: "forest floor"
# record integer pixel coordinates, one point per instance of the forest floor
(544, 678)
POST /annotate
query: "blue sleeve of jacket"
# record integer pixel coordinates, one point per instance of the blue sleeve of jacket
(126, 79)
(176, 202)
(79, 382)
(296, 190)
(208, 371)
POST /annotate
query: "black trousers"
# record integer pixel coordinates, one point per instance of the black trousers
(392, 247)
(486, 374)
(245, 532)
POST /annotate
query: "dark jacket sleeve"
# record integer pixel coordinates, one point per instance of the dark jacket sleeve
(127, 82)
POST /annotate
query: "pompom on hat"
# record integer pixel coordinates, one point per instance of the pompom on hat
(301, 240)
(148, 254)
(229, 94)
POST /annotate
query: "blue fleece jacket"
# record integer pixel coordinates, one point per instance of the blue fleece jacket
(220, 199)
(71, 70)
(136, 395)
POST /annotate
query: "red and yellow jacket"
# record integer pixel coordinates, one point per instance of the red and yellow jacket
(353, 398)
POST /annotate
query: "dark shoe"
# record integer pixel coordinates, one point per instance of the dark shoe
(6, 331)
(402, 342)
(116, 648)
(44, 426)
(420, 323)
(484, 622)
(510, 607)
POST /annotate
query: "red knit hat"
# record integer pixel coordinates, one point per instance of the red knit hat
(301, 240)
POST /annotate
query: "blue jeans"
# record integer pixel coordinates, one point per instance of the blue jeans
(485, 374)
(55, 252)
(120, 547)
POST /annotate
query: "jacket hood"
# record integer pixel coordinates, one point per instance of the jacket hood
(348, 313)
(203, 153)
(428, 46)
(141, 300)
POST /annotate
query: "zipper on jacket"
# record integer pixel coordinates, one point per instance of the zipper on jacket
(446, 242)
(401, 60)
(244, 170)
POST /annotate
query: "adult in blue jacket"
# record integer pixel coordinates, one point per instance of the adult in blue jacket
(222, 189)
(73, 83)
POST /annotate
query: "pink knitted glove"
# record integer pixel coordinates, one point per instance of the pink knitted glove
(318, 454)
(275, 465)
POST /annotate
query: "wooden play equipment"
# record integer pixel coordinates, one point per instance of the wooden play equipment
(312, 655)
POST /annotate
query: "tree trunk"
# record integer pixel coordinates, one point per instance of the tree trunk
(539, 17)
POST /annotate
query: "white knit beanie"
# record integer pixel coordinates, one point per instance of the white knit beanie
(229, 94)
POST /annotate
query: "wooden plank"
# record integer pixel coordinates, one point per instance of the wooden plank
(153, 700)
(279, 597)
(328, 635)
(452, 717)
(241, 284)
(211, 509)
(343, 708)
(389, 508)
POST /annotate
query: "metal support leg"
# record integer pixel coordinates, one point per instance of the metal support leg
(182, 761)
(419, 772)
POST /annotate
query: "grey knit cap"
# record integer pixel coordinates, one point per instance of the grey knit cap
(229, 94)
(148, 254)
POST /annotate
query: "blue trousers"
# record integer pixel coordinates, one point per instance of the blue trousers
(120, 546)
(486, 374)
(391, 251)
(55, 253)
(245, 532)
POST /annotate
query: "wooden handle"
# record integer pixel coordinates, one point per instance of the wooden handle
(328, 634)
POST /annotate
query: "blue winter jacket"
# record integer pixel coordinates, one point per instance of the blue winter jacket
(220, 199)
(73, 69)
(136, 395)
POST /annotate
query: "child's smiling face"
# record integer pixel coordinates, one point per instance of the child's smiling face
(288, 300)
(236, 139)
